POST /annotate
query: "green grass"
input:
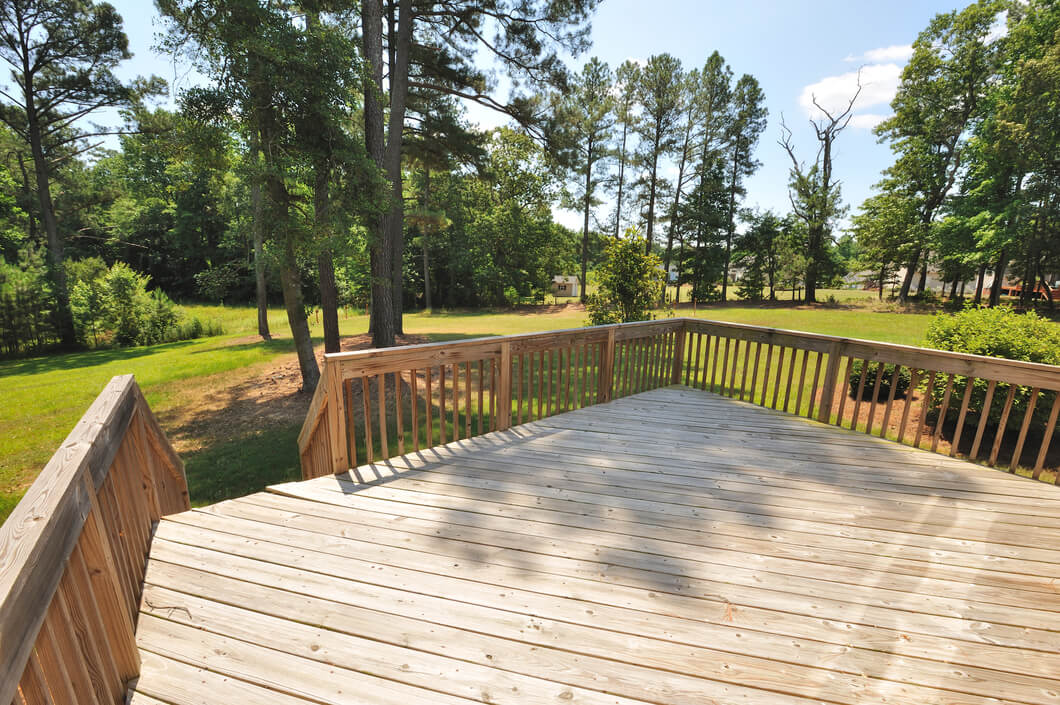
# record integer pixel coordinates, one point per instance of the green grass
(44, 396)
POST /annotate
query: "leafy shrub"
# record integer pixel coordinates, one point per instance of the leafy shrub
(996, 332)
(901, 384)
(630, 283)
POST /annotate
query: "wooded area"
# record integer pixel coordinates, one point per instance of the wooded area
(329, 161)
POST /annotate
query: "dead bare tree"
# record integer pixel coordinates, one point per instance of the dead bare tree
(814, 192)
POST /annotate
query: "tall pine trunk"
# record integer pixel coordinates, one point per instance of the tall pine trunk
(329, 298)
(730, 228)
(260, 290)
(380, 252)
(64, 318)
(585, 224)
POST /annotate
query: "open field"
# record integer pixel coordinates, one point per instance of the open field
(231, 403)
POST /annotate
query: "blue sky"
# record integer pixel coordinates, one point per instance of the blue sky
(792, 47)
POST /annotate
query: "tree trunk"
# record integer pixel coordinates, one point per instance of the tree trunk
(380, 251)
(621, 179)
(329, 298)
(999, 278)
(651, 201)
(979, 284)
(56, 264)
(730, 228)
(260, 290)
(426, 275)
(1047, 289)
(921, 285)
(883, 277)
(907, 280)
(585, 224)
(398, 78)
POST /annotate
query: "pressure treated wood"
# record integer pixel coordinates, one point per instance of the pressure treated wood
(674, 546)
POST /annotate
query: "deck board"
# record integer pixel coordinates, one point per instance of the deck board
(669, 547)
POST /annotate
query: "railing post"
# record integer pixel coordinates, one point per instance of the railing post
(504, 390)
(607, 368)
(679, 353)
(835, 355)
(336, 410)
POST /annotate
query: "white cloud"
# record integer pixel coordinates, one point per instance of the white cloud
(867, 121)
(879, 83)
(898, 52)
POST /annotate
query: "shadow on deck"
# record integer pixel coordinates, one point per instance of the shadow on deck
(668, 547)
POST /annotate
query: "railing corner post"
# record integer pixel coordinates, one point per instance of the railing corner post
(504, 392)
(679, 353)
(336, 411)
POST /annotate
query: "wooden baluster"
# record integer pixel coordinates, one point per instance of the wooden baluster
(399, 421)
(384, 442)
(429, 408)
(943, 410)
(346, 389)
(692, 342)
(92, 635)
(969, 383)
(765, 375)
(843, 384)
(494, 394)
(816, 380)
(519, 365)
(549, 366)
(415, 400)
(802, 381)
(925, 408)
(58, 622)
(791, 378)
(590, 381)
(1027, 416)
(443, 432)
(102, 569)
(630, 365)
(984, 416)
(1043, 449)
(1001, 426)
(456, 400)
(860, 392)
(481, 407)
(875, 395)
(697, 372)
(746, 364)
(914, 380)
(754, 374)
(53, 664)
(735, 364)
(724, 367)
(467, 400)
(895, 376)
(780, 375)
(571, 371)
(645, 361)
(34, 685)
(540, 379)
(714, 361)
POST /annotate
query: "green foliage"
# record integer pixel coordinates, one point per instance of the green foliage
(996, 332)
(901, 386)
(114, 306)
(27, 320)
(630, 283)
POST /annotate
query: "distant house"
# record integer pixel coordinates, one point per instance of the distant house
(563, 285)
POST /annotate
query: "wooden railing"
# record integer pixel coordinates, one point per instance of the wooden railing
(73, 554)
(374, 404)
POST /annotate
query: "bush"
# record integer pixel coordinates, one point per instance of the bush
(630, 283)
(27, 309)
(996, 332)
(901, 385)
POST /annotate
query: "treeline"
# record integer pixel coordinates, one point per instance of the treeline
(975, 185)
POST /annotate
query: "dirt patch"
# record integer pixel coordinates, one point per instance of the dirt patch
(235, 404)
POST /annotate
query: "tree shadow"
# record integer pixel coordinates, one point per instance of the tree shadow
(80, 360)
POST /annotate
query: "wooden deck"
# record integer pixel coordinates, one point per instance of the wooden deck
(669, 547)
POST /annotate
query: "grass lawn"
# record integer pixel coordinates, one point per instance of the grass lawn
(44, 396)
